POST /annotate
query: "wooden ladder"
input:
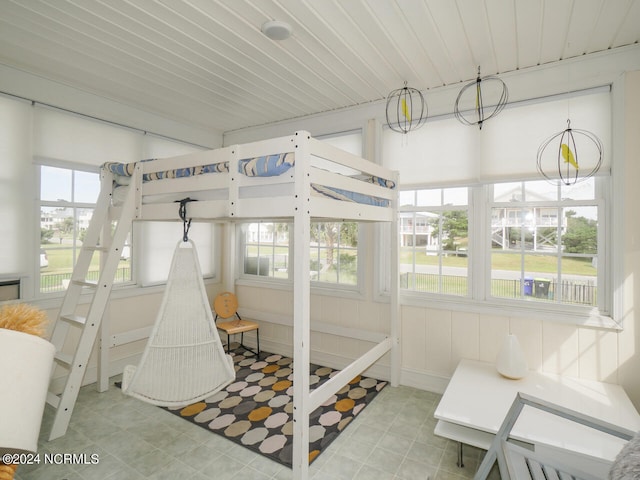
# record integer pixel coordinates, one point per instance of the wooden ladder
(77, 332)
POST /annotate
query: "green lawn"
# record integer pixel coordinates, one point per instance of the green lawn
(59, 257)
(504, 261)
(60, 260)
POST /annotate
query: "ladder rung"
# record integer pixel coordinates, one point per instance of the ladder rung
(75, 319)
(53, 399)
(85, 283)
(63, 359)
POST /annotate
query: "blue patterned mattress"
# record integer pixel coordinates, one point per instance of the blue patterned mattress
(265, 166)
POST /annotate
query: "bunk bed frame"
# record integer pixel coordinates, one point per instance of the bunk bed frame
(152, 193)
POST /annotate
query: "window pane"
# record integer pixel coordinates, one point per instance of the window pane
(434, 245)
(539, 191)
(55, 184)
(429, 198)
(86, 187)
(456, 196)
(507, 192)
(584, 190)
(334, 252)
(407, 198)
(266, 249)
(579, 281)
(581, 233)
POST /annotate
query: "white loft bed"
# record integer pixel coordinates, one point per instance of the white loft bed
(314, 180)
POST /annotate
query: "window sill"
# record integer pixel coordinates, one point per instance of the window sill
(54, 300)
(583, 317)
(316, 289)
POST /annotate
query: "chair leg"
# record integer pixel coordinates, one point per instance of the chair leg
(255, 352)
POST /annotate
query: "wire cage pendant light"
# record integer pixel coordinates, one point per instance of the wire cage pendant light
(566, 164)
(406, 109)
(470, 109)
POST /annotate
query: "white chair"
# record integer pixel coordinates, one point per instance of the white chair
(518, 462)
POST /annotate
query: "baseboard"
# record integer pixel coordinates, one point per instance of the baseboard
(410, 378)
(423, 381)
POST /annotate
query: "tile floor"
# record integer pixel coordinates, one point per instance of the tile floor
(391, 439)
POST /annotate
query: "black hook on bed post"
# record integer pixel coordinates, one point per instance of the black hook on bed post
(186, 224)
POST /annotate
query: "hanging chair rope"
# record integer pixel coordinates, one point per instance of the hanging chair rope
(182, 212)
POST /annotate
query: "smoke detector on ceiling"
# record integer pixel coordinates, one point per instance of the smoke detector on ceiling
(276, 30)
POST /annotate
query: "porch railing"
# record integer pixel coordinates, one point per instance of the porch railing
(57, 282)
(568, 291)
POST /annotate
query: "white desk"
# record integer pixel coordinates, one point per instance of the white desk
(478, 398)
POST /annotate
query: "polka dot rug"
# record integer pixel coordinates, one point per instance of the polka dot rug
(255, 411)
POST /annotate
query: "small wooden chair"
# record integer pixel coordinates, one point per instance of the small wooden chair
(225, 306)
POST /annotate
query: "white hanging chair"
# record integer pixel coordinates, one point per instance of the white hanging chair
(184, 360)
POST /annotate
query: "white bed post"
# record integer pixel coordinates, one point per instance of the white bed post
(395, 330)
(230, 227)
(301, 308)
(231, 264)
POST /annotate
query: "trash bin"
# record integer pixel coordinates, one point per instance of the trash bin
(528, 286)
(541, 289)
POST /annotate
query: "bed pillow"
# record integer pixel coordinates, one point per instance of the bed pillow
(267, 166)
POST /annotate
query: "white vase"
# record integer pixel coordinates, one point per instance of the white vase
(25, 369)
(510, 361)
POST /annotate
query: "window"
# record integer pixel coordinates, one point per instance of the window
(434, 241)
(544, 242)
(67, 200)
(267, 248)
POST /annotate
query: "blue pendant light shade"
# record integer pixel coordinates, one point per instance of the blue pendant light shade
(570, 156)
(406, 109)
(470, 107)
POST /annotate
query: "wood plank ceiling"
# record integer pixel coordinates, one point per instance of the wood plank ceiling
(206, 62)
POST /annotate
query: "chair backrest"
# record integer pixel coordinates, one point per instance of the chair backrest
(225, 305)
(516, 463)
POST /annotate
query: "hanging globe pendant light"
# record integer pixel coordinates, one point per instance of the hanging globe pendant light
(470, 108)
(406, 109)
(570, 156)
